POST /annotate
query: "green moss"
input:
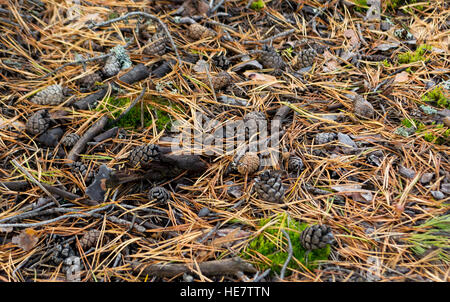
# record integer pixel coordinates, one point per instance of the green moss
(269, 249)
(257, 5)
(132, 120)
(436, 97)
(416, 56)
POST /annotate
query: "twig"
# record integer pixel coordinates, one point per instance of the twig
(145, 15)
(117, 220)
(45, 222)
(81, 143)
(288, 259)
(260, 277)
(83, 61)
(35, 181)
(218, 5)
(215, 267)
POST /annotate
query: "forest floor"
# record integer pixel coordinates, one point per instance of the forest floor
(356, 95)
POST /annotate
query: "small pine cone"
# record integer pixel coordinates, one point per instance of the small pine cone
(159, 194)
(221, 80)
(316, 237)
(271, 59)
(89, 80)
(143, 155)
(325, 137)
(70, 139)
(269, 187)
(221, 61)
(82, 169)
(197, 31)
(363, 108)
(156, 45)
(38, 122)
(249, 163)
(112, 67)
(306, 58)
(295, 164)
(51, 95)
(89, 239)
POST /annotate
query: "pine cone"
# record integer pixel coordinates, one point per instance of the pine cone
(197, 31)
(325, 137)
(249, 163)
(90, 239)
(38, 122)
(89, 80)
(112, 67)
(156, 45)
(295, 164)
(221, 80)
(51, 95)
(306, 58)
(221, 61)
(143, 155)
(61, 252)
(82, 169)
(159, 194)
(269, 187)
(316, 237)
(70, 139)
(363, 108)
(271, 59)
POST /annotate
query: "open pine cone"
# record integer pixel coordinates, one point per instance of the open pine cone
(159, 194)
(70, 139)
(306, 58)
(156, 45)
(51, 95)
(316, 237)
(269, 187)
(38, 122)
(269, 58)
(143, 155)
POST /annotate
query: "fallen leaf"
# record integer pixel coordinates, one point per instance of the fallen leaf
(262, 79)
(330, 62)
(201, 66)
(26, 240)
(387, 46)
(401, 77)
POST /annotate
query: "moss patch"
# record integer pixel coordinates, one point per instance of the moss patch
(257, 5)
(132, 120)
(270, 248)
(360, 5)
(416, 56)
(395, 4)
(437, 134)
(437, 98)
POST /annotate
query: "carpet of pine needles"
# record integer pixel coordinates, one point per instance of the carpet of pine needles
(39, 36)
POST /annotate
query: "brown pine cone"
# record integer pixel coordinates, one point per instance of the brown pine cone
(90, 239)
(159, 194)
(70, 139)
(269, 58)
(269, 187)
(51, 95)
(38, 122)
(156, 45)
(306, 58)
(316, 237)
(295, 164)
(112, 67)
(89, 80)
(249, 163)
(143, 155)
(197, 31)
(82, 169)
(363, 108)
(221, 80)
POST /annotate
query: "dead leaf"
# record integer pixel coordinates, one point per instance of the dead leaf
(26, 240)
(262, 79)
(355, 192)
(229, 237)
(401, 77)
(201, 66)
(387, 46)
(81, 21)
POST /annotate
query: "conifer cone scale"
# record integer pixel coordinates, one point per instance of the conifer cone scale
(306, 58)
(316, 237)
(51, 95)
(156, 45)
(89, 239)
(269, 187)
(38, 122)
(143, 155)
